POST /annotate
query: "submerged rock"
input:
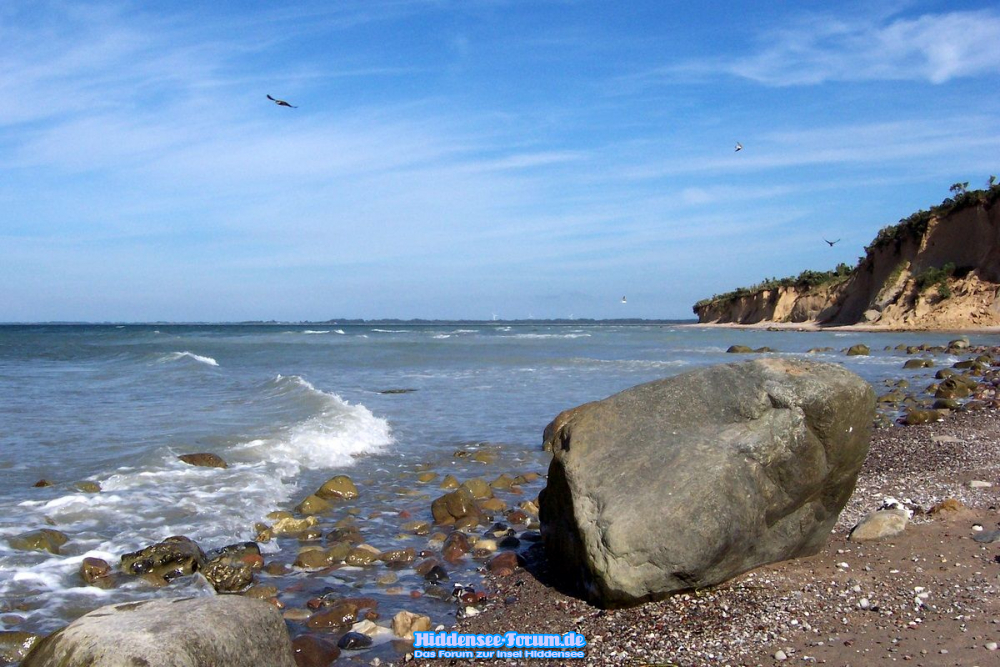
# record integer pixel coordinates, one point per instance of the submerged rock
(173, 557)
(686, 482)
(43, 539)
(15, 645)
(340, 487)
(204, 460)
(220, 630)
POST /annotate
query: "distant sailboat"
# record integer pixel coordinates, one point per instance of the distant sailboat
(623, 300)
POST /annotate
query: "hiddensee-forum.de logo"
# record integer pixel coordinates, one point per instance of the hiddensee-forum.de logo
(508, 645)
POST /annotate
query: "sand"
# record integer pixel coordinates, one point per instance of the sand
(929, 596)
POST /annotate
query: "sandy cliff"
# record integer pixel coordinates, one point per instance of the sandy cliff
(938, 269)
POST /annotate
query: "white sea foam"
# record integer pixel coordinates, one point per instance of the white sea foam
(311, 331)
(565, 335)
(389, 330)
(177, 356)
(142, 505)
(339, 331)
(442, 336)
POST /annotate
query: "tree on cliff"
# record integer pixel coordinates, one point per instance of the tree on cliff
(959, 188)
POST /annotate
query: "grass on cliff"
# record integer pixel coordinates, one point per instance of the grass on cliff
(914, 226)
(804, 280)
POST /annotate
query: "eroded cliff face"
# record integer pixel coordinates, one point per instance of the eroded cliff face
(885, 289)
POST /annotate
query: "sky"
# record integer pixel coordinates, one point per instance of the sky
(468, 158)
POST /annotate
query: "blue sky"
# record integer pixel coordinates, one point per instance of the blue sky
(465, 158)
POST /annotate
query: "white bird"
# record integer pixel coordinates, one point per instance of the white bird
(739, 147)
(282, 103)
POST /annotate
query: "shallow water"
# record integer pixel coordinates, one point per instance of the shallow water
(290, 406)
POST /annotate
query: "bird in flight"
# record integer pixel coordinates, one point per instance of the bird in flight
(623, 300)
(739, 147)
(832, 242)
(282, 103)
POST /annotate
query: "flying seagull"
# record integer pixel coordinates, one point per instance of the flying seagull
(739, 147)
(832, 242)
(281, 103)
(623, 300)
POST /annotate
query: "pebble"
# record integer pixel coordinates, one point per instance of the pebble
(980, 484)
(991, 646)
(780, 655)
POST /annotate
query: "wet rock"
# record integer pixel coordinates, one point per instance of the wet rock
(88, 487)
(315, 559)
(879, 525)
(313, 651)
(94, 570)
(262, 592)
(917, 416)
(387, 579)
(451, 506)
(313, 504)
(502, 482)
(340, 487)
(173, 557)
(478, 488)
(228, 573)
(765, 349)
(530, 507)
(44, 539)
(456, 545)
(739, 349)
(946, 404)
(340, 615)
(503, 561)
(517, 517)
(509, 542)
(918, 363)
(436, 574)
(760, 457)
(405, 623)
(15, 645)
(42, 483)
(952, 388)
(450, 482)
(858, 350)
(493, 505)
(399, 556)
(405, 390)
(354, 641)
(817, 350)
(219, 630)
(292, 526)
(204, 460)
(359, 557)
(425, 477)
(468, 522)
(484, 457)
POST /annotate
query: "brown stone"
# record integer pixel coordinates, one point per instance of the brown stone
(204, 460)
(313, 651)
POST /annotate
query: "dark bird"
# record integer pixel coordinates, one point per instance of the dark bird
(739, 147)
(282, 103)
(832, 242)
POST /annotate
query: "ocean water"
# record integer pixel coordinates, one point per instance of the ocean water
(288, 407)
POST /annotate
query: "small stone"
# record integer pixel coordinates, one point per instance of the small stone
(979, 484)
(990, 646)
(354, 641)
(780, 655)
(204, 460)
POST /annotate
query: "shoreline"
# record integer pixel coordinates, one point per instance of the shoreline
(930, 595)
(816, 327)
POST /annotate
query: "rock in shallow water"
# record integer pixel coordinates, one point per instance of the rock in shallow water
(686, 482)
(193, 632)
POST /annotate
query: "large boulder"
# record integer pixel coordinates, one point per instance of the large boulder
(186, 632)
(686, 482)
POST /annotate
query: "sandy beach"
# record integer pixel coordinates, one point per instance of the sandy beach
(928, 596)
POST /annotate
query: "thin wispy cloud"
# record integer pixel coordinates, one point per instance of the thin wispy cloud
(831, 47)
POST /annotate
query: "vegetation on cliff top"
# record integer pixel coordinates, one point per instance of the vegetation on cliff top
(914, 226)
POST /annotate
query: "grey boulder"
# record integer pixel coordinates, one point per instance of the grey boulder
(687, 482)
(185, 632)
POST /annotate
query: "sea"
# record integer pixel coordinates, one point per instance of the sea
(289, 406)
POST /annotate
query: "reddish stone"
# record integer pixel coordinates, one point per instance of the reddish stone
(503, 561)
(313, 651)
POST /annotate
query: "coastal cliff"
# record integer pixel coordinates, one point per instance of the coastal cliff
(937, 269)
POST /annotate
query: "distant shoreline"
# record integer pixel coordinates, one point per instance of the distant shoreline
(814, 327)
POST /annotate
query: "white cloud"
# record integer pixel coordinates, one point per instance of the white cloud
(931, 47)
